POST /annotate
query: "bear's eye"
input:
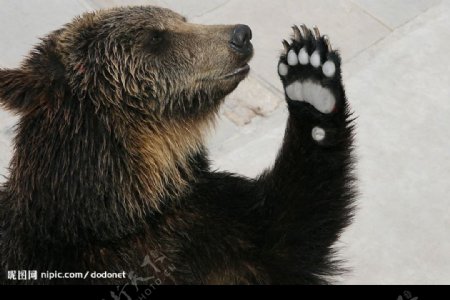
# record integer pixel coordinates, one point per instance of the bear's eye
(155, 38)
(155, 41)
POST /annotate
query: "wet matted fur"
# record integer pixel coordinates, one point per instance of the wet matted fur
(110, 169)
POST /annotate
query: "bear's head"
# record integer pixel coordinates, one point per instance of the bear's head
(113, 107)
(143, 60)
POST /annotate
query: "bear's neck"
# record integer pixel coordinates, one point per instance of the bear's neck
(166, 157)
(74, 180)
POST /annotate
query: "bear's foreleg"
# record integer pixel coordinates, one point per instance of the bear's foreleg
(308, 192)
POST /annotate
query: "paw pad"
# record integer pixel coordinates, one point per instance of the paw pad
(283, 69)
(315, 59)
(306, 73)
(318, 134)
(328, 68)
(303, 56)
(292, 58)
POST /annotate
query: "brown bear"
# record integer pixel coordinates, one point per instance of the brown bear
(110, 172)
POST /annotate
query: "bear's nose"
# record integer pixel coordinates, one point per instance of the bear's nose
(240, 40)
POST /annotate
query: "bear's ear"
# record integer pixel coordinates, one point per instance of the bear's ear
(39, 82)
(18, 90)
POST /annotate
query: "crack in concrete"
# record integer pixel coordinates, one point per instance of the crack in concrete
(212, 9)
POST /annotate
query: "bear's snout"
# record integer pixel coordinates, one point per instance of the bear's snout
(240, 39)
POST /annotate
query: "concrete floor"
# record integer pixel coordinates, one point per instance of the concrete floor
(396, 70)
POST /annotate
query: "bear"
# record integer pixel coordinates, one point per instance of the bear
(110, 180)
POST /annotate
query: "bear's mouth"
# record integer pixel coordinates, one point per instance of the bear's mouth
(241, 71)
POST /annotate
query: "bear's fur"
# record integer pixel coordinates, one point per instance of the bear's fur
(110, 172)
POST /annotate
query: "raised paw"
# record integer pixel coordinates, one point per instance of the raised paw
(310, 70)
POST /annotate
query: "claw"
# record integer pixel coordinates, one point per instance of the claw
(316, 33)
(327, 42)
(286, 46)
(297, 34)
(306, 31)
